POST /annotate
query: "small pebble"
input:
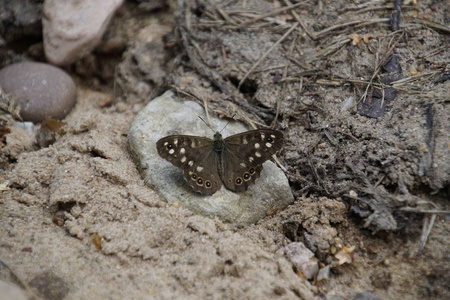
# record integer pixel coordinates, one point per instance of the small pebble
(39, 89)
(302, 258)
(324, 274)
(366, 296)
(11, 291)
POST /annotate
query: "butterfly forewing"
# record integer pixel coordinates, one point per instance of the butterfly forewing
(194, 155)
(244, 155)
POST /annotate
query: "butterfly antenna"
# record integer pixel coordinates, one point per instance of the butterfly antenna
(206, 124)
(227, 123)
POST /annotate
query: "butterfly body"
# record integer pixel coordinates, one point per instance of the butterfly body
(217, 143)
(235, 161)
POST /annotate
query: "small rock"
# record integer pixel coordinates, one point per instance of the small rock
(336, 297)
(366, 296)
(324, 274)
(72, 29)
(11, 292)
(164, 116)
(302, 258)
(29, 127)
(39, 89)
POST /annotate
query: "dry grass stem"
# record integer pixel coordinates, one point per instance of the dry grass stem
(348, 24)
(433, 25)
(271, 14)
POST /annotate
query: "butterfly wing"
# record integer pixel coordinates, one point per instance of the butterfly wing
(244, 154)
(194, 155)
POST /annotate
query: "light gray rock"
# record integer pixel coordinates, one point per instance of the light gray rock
(303, 259)
(366, 296)
(11, 292)
(324, 274)
(165, 116)
(39, 89)
(72, 29)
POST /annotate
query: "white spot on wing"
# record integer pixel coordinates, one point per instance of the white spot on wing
(193, 144)
(171, 151)
(257, 154)
(263, 136)
(272, 136)
(243, 165)
(251, 159)
(182, 151)
(199, 169)
(244, 140)
(257, 146)
(166, 143)
(268, 145)
(183, 159)
(175, 141)
(190, 163)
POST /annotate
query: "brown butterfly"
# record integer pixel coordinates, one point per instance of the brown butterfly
(236, 160)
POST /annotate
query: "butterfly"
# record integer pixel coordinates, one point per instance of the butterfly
(235, 161)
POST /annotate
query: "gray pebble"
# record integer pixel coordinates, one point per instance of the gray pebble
(39, 89)
(366, 296)
(302, 258)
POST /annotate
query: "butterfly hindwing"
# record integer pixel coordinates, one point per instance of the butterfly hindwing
(204, 177)
(195, 157)
(244, 155)
(238, 179)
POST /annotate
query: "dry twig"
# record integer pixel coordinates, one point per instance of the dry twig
(395, 21)
(271, 14)
(433, 25)
(300, 21)
(428, 224)
(348, 24)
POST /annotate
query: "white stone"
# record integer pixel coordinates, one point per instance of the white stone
(303, 259)
(72, 29)
(11, 292)
(166, 115)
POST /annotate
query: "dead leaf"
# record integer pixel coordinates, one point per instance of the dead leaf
(96, 240)
(4, 186)
(366, 38)
(345, 255)
(356, 39)
(52, 124)
(105, 103)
